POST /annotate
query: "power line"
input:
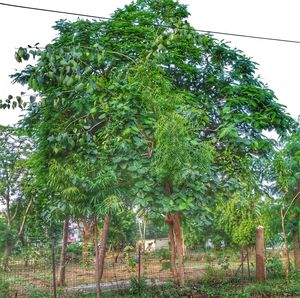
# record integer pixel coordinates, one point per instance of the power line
(107, 18)
(54, 11)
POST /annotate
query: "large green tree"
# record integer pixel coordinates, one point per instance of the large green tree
(172, 110)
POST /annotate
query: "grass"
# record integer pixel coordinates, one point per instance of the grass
(201, 288)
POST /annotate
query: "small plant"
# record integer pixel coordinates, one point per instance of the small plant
(208, 258)
(164, 258)
(224, 263)
(137, 287)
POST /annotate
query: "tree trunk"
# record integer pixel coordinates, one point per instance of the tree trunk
(179, 247)
(173, 251)
(286, 248)
(116, 257)
(260, 255)
(86, 237)
(97, 271)
(296, 239)
(6, 255)
(21, 229)
(62, 265)
(242, 259)
(103, 242)
(248, 261)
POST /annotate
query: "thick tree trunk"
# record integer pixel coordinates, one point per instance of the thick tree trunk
(103, 242)
(63, 254)
(6, 255)
(296, 239)
(173, 252)
(173, 249)
(179, 247)
(260, 255)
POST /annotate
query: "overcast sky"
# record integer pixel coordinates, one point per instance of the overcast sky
(279, 63)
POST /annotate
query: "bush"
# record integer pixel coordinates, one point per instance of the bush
(5, 289)
(74, 250)
(137, 287)
(275, 267)
(224, 263)
(213, 274)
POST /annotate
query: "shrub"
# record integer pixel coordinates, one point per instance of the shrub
(74, 250)
(224, 263)
(213, 274)
(5, 289)
(275, 267)
(137, 287)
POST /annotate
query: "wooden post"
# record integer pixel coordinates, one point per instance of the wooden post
(260, 255)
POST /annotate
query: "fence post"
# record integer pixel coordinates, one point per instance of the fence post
(53, 268)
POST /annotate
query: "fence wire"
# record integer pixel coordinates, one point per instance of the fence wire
(30, 270)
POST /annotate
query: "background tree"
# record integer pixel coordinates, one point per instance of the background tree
(15, 177)
(287, 165)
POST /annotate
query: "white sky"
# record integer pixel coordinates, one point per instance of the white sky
(279, 62)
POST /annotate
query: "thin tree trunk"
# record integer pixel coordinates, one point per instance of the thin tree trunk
(97, 271)
(260, 255)
(103, 242)
(62, 265)
(183, 242)
(21, 229)
(86, 237)
(116, 257)
(6, 255)
(144, 235)
(296, 239)
(248, 261)
(242, 259)
(287, 265)
(173, 251)
(179, 247)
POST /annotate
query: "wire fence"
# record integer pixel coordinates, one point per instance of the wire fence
(34, 271)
